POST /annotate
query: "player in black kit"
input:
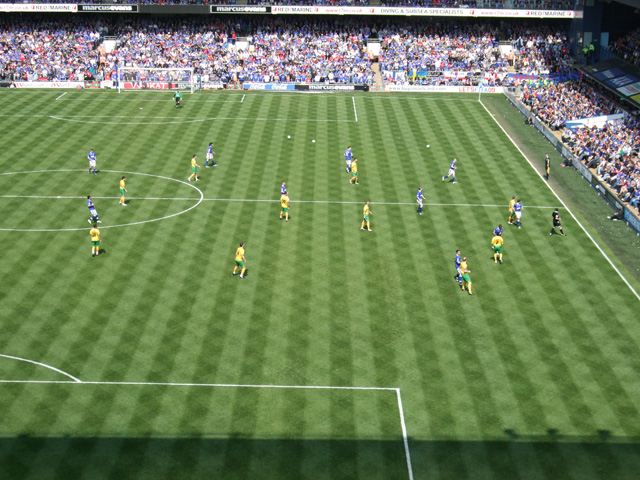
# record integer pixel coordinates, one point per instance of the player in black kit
(547, 165)
(556, 223)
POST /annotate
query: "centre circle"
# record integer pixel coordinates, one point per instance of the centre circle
(199, 201)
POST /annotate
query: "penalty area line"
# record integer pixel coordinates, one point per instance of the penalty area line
(76, 381)
(60, 96)
(404, 434)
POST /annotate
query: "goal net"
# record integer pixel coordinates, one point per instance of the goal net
(135, 78)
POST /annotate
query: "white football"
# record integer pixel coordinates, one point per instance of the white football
(428, 146)
(288, 136)
(313, 141)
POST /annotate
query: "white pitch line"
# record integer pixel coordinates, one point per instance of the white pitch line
(564, 205)
(60, 96)
(242, 99)
(79, 118)
(195, 118)
(227, 385)
(354, 107)
(260, 200)
(75, 380)
(131, 100)
(189, 184)
(231, 385)
(73, 197)
(404, 434)
(106, 122)
(393, 96)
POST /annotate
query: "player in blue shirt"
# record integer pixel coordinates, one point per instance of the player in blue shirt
(517, 208)
(92, 210)
(92, 161)
(458, 275)
(347, 156)
(497, 232)
(210, 154)
(452, 171)
(283, 189)
(419, 199)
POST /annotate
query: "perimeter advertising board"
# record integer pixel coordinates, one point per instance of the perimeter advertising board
(422, 12)
(240, 9)
(109, 8)
(442, 88)
(48, 84)
(38, 7)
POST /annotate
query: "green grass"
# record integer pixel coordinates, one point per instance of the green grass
(534, 377)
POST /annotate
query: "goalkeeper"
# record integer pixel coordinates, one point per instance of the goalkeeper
(178, 97)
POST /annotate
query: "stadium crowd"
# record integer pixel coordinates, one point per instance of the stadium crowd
(628, 47)
(612, 149)
(305, 50)
(47, 49)
(555, 103)
(296, 51)
(457, 50)
(462, 52)
(540, 50)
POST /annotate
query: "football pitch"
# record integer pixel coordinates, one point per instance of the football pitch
(343, 353)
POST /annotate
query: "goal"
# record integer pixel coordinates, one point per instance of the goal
(135, 78)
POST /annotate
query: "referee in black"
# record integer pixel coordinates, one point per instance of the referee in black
(547, 165)
(556, 223)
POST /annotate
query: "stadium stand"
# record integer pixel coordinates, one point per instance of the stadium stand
(611, 150)
(628, 47)
(434, 53)
(451, 53)
(301, 50)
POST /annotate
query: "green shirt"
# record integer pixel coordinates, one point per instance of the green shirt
(178, 95)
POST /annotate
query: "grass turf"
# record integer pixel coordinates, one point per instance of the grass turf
(533, 377)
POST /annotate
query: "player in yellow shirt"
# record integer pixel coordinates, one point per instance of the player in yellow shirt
(123, 190)
(466, 279)
(354, 171)
(240, 261)
(496, 243)
(512, 212)
(284, 205)
(194, 168)
(95, 240)
(366, 212)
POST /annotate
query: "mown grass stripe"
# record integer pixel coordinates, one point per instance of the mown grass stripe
(484, 378)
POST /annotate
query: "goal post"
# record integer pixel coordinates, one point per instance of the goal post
(173, 78)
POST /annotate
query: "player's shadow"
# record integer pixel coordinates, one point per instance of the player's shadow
(550, 455)
(554, 435)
